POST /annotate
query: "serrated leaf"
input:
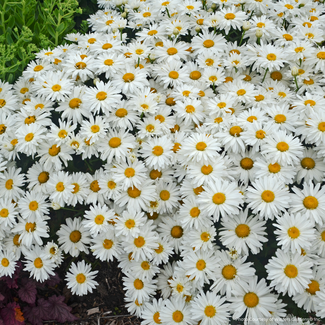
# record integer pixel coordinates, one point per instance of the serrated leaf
(28, 292)
(59, 310)
(8, 314)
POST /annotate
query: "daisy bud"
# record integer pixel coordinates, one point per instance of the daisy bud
(8, 146)
(259, 33)
(114, 30)
(210, 10)
(294, 71)
(55, 206)
(95, 81)
(123, 14)
(126, 9)
(213, 6)
(246, 25)
(175, 31)
(197, 29)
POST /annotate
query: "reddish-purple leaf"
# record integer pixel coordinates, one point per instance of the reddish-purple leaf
(59, 310)
(28, 292)
(2, 297)
(53, 280)
(12, 315)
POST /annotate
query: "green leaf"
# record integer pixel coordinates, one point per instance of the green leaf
(30, 21)
(8, 38)
(11, 21)
(61, 28)
(36, 28)
(51, 30)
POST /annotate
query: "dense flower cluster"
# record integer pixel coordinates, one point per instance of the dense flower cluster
(208, 118)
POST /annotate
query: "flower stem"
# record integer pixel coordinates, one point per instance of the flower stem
(265, 74)
(242, 37)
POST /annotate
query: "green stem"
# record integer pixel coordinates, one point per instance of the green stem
(69, 209)
(258, 41)
(296, 84)
(167, 12)
(214, 88)
(265, 74)
(242, 37)
(88, 166)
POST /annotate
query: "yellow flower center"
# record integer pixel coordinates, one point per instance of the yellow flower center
(321, 126)
(291, 271)
(210, 311)
(114, 142)
(121, 112)
(107, 244)
(229, 272)
(195, 75)
(9, 183)
(38, 263)
(282, 146)
(80, 278)
(145, 265)
(56, 87)
(5, 262)
(157, 150)
(321, 55)
(178, 316)
(60, 187)
(99, 219)
(241, 92)
(33, 205)
(164, 195)
(160, 249)
(208, 43)
(247, 163)
(133, 192)
(274, 168)
(30, 226)
(293, 232)
(230, 16)
(43, 177)
(200, 265)
(129, 172)
(75, 236)
(242, 230)
(280, 118)
(276, 75)
(251, 299)
(218, 198)
(4, 213)
(130, 223)
(251, 118)
(54, 150)
(307, 163)
(260, 134)
(101, 95)
(173, 74)
(172, 51)
(139, 241)
(268, 196)
(38, 68)
(205, 236)
(271, 57)
(310, 202)
(111, 185)
(176, 232)
(154, 174)
(313, 287)
(81, 65)
(206, 169)
(235, 131)
(29, 137)
(128, 77)
(260, 25)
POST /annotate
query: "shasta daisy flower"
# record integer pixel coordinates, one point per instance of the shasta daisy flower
(255, 299)
(129, 224)
(210, 309)
(73, 237)
(243, 233)
(310, 201)
(294, 233)
(80, 278)
(8, 263)
(289, 273)
(220, 198)
(267, 197)
(176, 311)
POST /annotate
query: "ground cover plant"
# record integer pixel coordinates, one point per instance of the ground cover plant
(184, 139)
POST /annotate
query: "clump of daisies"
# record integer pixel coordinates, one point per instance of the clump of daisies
(201, 141)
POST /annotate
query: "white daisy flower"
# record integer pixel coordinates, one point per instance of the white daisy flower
(310, 201)
(73, 237)
(8, 261)
(289, 273)
(38, 264)
(209, 309)
(128, 224)
(80, 278)
(267, 197)
(243, 233)
(220, 198)
(176, 311)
